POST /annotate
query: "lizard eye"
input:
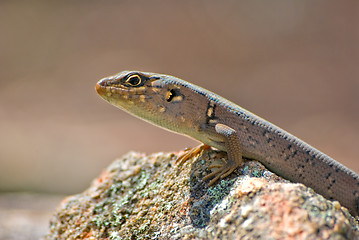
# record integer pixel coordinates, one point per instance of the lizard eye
(134, 80)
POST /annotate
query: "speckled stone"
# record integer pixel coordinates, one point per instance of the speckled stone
(149, 197)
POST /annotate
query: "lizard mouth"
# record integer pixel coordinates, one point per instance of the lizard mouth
(102, 86)
(99, 88)
(108, 88)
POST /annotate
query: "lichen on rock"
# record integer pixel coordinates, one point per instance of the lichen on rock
(149, 197)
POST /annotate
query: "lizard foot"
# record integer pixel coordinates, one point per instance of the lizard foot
(224, 170)
(191, 152)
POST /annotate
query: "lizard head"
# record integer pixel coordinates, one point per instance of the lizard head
(156, 98)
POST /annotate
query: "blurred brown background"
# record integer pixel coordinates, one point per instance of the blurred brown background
(295, 63)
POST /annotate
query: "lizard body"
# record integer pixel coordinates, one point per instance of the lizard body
(185, 108)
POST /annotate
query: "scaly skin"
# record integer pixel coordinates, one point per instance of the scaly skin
(185, 108)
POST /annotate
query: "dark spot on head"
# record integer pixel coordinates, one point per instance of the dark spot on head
(170, 95)
(265, 132)
(294, 153)
(174, 94)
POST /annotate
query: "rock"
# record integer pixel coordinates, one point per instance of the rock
(150, 197)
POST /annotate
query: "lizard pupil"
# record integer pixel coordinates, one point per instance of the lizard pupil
(134, 80)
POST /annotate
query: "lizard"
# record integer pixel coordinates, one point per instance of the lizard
(185, 108)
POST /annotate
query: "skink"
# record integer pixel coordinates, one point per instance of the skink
(185, 108)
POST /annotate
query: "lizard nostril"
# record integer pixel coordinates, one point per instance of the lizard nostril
(101, 85)
(98, 88)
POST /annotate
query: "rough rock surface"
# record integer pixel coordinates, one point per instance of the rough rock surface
(149, 197)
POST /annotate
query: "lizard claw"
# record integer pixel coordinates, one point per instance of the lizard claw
(191, 152)
(224, 170)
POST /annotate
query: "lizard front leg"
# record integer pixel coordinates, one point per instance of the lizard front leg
(234, 153)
